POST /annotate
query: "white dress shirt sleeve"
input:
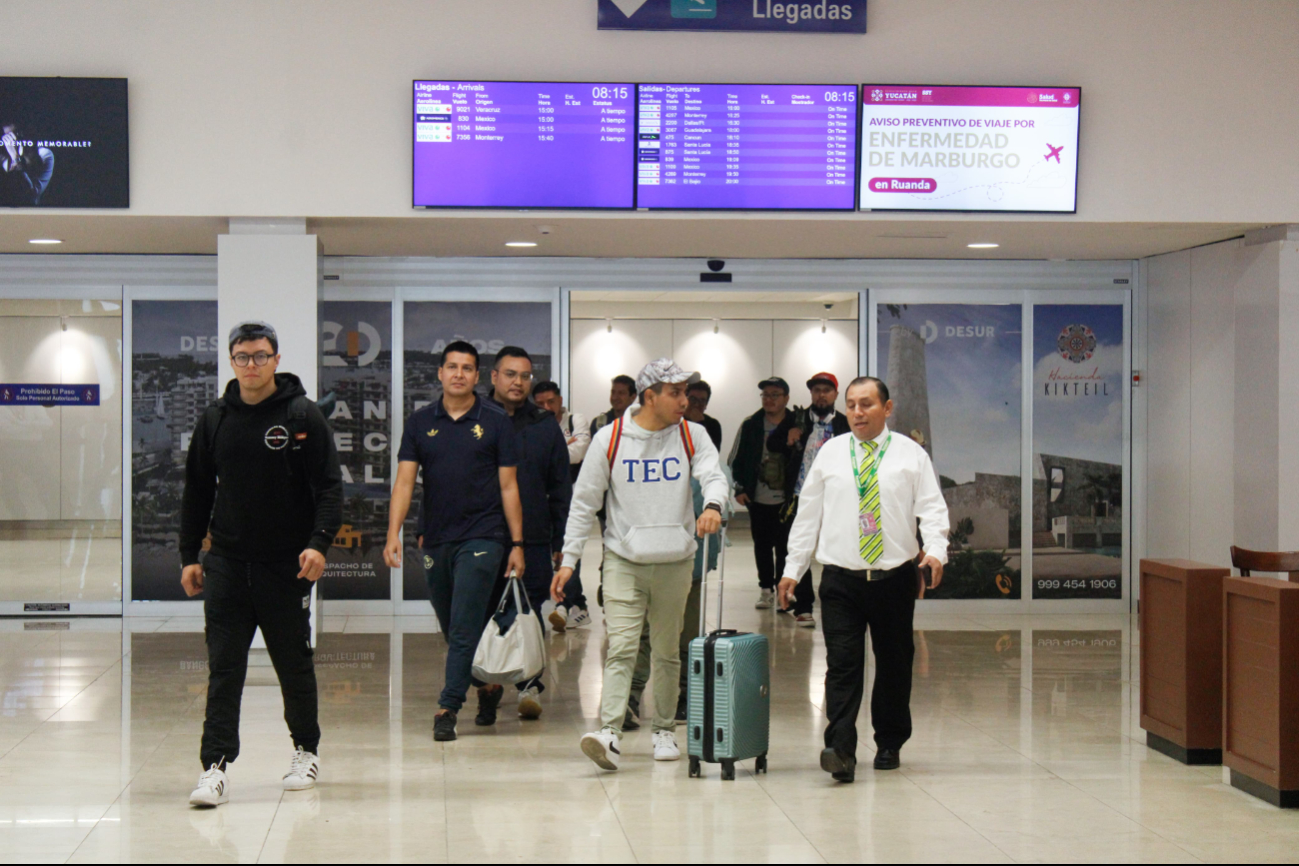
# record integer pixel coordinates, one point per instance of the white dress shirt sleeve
(581, 438)
(806, 530)
(931, 509)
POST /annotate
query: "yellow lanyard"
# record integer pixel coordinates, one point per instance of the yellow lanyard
(873, 472)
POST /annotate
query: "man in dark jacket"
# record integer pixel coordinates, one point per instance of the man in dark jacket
(800, 436)
(272, 518)
(545, 487)
(759, 474)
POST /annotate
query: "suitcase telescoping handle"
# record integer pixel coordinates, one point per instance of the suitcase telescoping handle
(721, 580)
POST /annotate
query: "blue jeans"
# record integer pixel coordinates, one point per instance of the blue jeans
(538, 572)
(460, 580)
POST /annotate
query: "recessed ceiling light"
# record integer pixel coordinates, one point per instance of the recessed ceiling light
(520, 244)
(983, 246)
(45, 241)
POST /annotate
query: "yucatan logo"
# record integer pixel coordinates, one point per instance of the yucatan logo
(1076, 343)
(877, 95)
(277, 438)
(694, 8)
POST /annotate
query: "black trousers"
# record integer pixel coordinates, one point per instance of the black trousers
(849, 606)
(239, 597)
(770, 542)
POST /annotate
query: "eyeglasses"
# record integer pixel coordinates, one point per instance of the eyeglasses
(512, 375)
(261, 359)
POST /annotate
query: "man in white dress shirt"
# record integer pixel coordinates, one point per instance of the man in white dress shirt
(858, 511)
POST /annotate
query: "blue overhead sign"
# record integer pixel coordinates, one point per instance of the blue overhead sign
(765, 16)
(49, 395)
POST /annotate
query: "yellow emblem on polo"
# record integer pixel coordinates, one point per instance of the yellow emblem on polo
(478, 431)
(433, 432)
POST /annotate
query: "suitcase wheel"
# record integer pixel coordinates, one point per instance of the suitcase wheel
(694, 767)
(760, 764)
(728, 771)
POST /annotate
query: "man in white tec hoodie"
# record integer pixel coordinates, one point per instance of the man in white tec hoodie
(643, 462)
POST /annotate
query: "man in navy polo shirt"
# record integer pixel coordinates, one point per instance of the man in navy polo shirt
(471, 512)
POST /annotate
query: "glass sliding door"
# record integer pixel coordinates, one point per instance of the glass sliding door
(1079, 423)
(428, 326)
(60, 456)
(356, 397)
(954, 373)
(175, 351)
(1021, 399)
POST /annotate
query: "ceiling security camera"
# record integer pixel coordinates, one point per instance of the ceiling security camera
(828, 306)
(716, 265)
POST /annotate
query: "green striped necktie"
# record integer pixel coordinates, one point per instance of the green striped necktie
(871, 545)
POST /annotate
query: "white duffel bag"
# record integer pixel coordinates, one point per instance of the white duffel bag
(517, 655)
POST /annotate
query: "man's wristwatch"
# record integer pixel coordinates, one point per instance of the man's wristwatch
(516, 544)
(713, 506)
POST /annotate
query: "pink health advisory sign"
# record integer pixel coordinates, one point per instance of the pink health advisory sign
(1017, 97)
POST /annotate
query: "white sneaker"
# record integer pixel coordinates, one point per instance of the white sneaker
(529, 703)
(766, 599)
(805, 620)
(665, 746)
(579, 618)
(558, 618)
(603, 747)
(213, 789)
(302, 772)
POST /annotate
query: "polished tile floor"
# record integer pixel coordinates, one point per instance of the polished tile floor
(1026, 748)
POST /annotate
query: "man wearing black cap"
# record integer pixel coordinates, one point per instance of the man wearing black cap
(800, 437)
(272, 519)
(759, 474)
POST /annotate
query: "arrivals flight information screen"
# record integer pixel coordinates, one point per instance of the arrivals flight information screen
(514, 144)
(746, 146)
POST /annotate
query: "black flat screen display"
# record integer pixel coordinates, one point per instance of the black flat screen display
(63, 143)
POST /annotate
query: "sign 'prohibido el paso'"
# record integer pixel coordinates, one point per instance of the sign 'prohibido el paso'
(766, 16)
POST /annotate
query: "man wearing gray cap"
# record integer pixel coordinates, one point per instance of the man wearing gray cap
(643, 463)
(271, 519)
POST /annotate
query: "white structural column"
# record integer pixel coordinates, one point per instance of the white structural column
(270, 269)
(1222, 397)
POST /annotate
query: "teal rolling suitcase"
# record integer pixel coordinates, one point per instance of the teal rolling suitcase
(729, 713)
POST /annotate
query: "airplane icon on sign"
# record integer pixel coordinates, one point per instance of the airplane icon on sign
(1055, 152)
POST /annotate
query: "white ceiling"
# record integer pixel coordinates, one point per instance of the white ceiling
(640, 235)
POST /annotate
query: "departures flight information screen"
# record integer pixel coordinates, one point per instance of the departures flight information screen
(523, 144)
(746, 146)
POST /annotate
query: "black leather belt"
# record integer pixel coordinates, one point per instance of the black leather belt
(869, 573)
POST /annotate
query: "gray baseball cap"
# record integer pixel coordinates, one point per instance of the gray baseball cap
(253, 330)
(663, 370)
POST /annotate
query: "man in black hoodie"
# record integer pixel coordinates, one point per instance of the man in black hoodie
(545, 488)
(272, 519)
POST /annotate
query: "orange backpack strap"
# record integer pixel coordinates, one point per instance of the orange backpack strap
(687, 440)
(615, 438)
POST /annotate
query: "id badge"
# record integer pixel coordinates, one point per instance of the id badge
(868, 524)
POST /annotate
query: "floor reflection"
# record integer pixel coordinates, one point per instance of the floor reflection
(1026, 747)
